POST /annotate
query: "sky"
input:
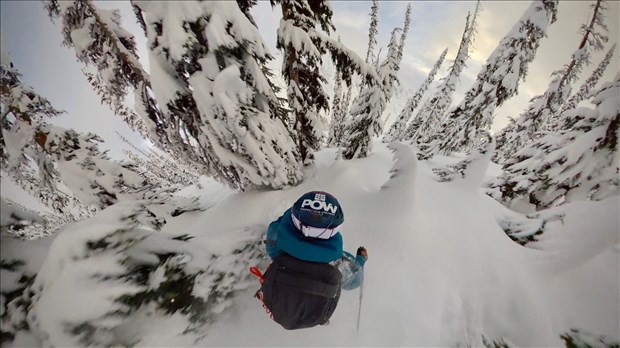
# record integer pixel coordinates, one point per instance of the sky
(35, 47)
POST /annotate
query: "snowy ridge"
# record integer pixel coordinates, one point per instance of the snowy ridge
(569, 222)
(403, 171)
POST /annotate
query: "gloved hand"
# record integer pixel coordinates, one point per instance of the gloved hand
(362, 251)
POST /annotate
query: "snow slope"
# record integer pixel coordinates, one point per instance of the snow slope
(441, 271)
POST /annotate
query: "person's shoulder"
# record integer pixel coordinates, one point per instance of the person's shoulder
(284, 224)
(286, 215)
(337, 238)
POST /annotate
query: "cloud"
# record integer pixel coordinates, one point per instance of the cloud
(352, 16)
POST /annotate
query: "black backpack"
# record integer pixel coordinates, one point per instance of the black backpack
(300, 294)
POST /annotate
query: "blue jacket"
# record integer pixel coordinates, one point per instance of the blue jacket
(352, 270)
(283, 237)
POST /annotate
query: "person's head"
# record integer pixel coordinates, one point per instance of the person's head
(317, 214)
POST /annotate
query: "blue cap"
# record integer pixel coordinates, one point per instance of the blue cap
(318, 209)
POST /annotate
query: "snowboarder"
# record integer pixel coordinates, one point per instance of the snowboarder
(301, 287)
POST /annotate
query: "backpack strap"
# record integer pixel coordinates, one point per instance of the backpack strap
(256, 271)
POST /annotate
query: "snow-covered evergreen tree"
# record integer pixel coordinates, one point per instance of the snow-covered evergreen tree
(303, 44)
(343, 112)
(156, 167)
(245, 6)
(372, 32)
(174, 120)
(403, 36)
(336, 124)
(14, 217)
(365, 119)
(68, 173)
(25, 142)
(98, 181)
(28, 224)
(208, 65)
(110, 54)
(346, 101)
(427, 122)
(577, 164)
(302, 59)
(397, 129)
(586, 88)
(17, 277)
(499, 78)
(280, 111)
(22, 111)
(583, 338)
(75, 178)
(544, 108)
(595, 36)
(88, 172)
(132, 273)
(102, 43)
(481, 152)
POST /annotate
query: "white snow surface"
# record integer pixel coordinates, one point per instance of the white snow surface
(440, 271)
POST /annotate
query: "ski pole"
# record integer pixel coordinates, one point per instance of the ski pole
(359, 310)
